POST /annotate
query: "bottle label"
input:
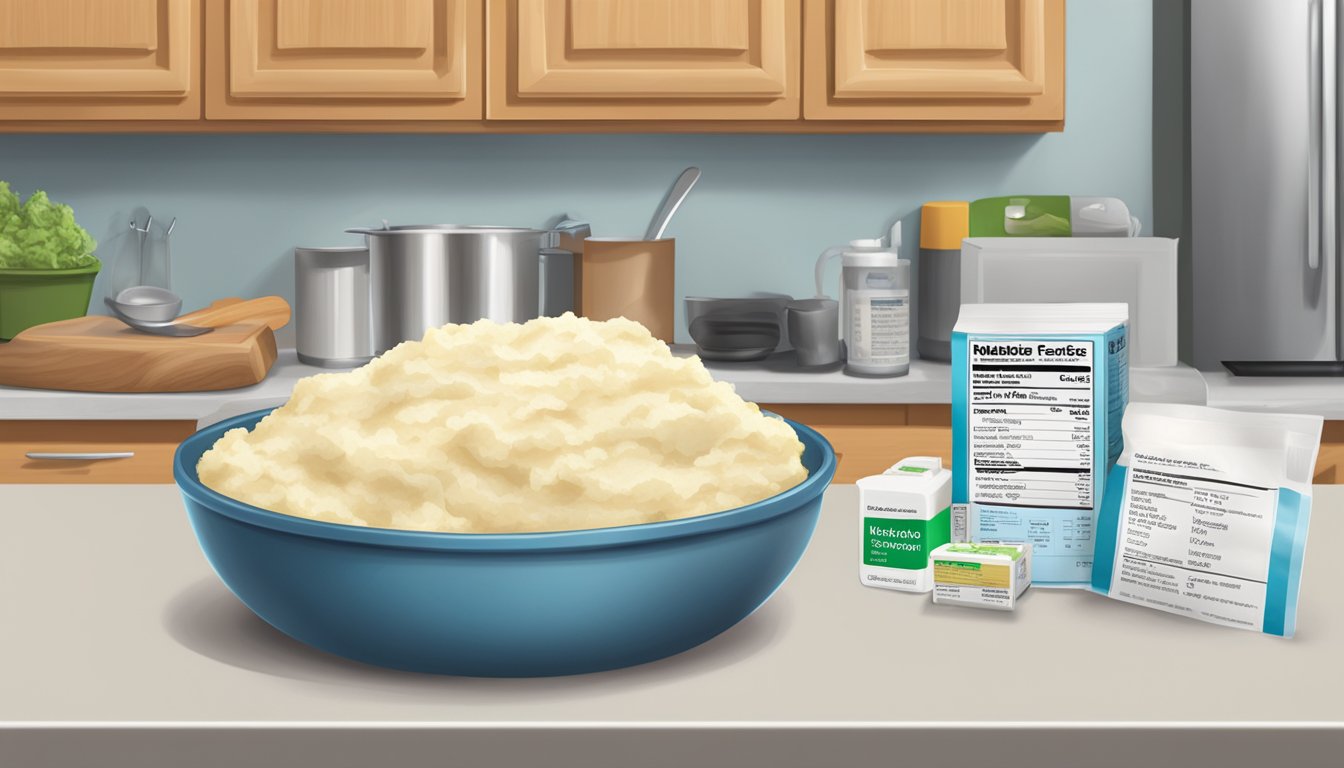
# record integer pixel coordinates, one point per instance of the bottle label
(879, 332)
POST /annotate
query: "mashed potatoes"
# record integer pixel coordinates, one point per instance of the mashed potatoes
(556, 424)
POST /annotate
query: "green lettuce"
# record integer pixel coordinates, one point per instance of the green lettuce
(40, 234)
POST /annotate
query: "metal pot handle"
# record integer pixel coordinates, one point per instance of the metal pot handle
(565, 235)
(561, 229)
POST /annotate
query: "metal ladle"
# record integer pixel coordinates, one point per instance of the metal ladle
(166, 328)
(149, 308)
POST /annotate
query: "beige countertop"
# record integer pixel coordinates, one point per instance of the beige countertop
(775, 380)
(116, 635)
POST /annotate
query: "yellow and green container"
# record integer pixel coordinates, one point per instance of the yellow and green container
(31, 297)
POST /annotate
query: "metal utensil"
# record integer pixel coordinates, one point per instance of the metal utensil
(680, 188)
(168, 255)
(148, 304)
(144, 235)
(331, 306)
(157, 328)
(78, 456)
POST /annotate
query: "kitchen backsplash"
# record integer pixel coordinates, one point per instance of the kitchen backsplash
(765, 207)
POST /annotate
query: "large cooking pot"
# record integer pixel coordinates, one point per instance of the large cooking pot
(423, 276)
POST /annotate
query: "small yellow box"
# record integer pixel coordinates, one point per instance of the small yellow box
(981, 575)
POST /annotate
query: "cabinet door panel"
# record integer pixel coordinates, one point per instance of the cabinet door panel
(644, 59)
(99, 59)
(345, 59)
(935, 60)
(323, 24)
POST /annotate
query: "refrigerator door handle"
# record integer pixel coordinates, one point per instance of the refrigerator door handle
(1315, 129)
(1329, 234)
(1330, 161)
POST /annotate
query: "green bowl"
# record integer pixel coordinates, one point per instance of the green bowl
(31, 297)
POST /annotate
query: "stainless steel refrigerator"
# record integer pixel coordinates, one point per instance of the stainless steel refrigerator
(1264, 120)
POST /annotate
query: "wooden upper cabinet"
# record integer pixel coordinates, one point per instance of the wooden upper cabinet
(344, 59)
(99, 59)
(935, 60)
(644, 59)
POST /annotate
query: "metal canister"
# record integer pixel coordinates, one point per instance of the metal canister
(331, 306)
(942, 227)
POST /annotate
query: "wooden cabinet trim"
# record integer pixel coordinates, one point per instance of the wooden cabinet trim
(534, 72)
(867, 439)
(434, 73)
(728, 80)
(352, 124)
(126, 25)
(305, 25)
(855, 80)
(159, 70)
(541, 44)
(102, 71)
(249, 79)
(152, 442)
(700, 25)
(845, 79)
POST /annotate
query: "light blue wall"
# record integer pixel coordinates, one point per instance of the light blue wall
(765, 207)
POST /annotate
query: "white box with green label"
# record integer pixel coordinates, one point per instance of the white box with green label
(904, 514)
(981, 575)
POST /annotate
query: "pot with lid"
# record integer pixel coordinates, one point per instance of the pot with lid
(424, 276)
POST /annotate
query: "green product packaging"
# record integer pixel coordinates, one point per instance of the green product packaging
(1022, 216)
(904, 514)
(905, 543)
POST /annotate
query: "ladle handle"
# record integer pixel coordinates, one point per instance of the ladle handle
(680, 188)
(271, 310)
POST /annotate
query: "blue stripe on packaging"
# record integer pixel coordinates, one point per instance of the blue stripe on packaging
(960, 483)
(1285, 562)
(1108, 528)
(1117, 389)
(1299, 556)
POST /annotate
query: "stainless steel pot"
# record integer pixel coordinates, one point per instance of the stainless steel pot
(424, 276)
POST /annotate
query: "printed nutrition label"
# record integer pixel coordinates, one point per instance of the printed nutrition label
(1030, 442)
(1213, 563)
(1031, 425)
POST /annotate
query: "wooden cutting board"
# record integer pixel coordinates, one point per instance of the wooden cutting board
(103, 354)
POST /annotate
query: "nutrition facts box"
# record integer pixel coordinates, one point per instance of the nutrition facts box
(1038, 391)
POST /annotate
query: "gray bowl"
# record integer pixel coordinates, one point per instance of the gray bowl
(737, 330)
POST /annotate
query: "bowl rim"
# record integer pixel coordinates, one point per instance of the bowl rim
(780, 504)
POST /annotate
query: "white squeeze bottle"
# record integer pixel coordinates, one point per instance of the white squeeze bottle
(904, 514)
(874, 304)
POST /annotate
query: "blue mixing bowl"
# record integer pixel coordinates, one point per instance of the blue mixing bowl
(503, 605)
